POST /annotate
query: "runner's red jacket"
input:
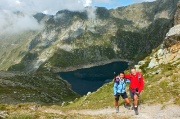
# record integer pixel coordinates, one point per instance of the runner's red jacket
(136, 82)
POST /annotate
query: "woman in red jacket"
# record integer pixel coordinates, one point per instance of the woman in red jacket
(136, 86)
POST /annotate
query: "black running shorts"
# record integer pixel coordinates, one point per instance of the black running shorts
(132, 94)
(123, 95)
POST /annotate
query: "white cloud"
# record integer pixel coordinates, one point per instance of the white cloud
(18, 2)
(88, 3)
(15, 22)
(91, 12)
(12, 23)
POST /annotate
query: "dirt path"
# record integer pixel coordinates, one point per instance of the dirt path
(145, 112)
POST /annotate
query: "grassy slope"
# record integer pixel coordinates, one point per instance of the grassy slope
(13, 48)
(163, 87)
(159, 88)
(39, 88)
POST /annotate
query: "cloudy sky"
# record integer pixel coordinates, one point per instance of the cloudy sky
(10, 22)
(55, 5)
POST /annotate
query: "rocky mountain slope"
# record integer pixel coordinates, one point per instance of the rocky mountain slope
(169, 51)
(71, 39)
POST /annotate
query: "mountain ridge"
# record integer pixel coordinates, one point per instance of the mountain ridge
(108, 36)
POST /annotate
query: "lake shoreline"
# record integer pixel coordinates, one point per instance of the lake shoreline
(100, 63)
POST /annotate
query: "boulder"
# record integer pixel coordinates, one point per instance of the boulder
(88, 93)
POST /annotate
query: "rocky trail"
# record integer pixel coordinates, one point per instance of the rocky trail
(145, 112)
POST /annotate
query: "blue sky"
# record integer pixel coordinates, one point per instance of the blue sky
(115, 3)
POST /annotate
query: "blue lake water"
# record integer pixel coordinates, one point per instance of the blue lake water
(90, 79)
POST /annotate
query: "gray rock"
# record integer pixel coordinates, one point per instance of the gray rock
(3, 114)
(174, 31)
(141, 62)
(153, 63)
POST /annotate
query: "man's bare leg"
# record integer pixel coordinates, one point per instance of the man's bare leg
(135, 100)
(136, 104)
(127, 101)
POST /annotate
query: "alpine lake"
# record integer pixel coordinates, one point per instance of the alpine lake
(90, 79)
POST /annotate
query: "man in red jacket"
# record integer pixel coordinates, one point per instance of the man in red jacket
(136, 86)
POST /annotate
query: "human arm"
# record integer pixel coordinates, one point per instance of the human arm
(115, 88)
(141, 84)
(127, 76)
(127, 81)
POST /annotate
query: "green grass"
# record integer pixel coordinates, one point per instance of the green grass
(164, 86)
(23, 116)
(102, 98)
